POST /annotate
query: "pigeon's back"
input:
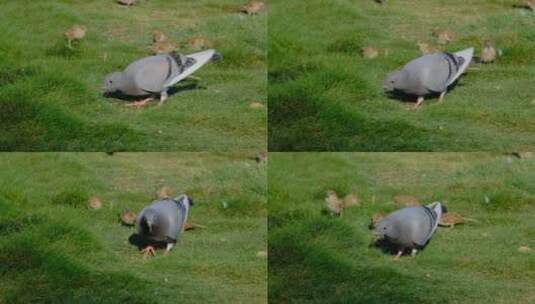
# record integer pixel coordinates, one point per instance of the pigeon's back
(169, 212)
(431, 73)
(412, 226)
(150, 74)
(168, 224)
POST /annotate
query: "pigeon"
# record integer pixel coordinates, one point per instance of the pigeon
(154, 75)
(163, 221)
(76, 32)
(410, 227)
(428, 74)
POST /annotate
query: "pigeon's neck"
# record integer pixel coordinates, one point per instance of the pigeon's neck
(183, 205)
(402, 81)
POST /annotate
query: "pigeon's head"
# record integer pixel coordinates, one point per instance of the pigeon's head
(392, 81)
(112, 83)
(382, 229)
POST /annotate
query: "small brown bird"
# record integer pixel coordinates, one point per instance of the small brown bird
(76, 32)
(488, 52)
(126, 2)
(163, 47)
(336, 206)
(128, 218)
(426, 48)
(256, 105)
(525, 249)
(252, 7)
(450, 219)
(375, 219)
(164, 192)
(443, 36)
(406, 200)
(198, 43)
(333, 204)
(94, 203)
(369, 52)
(158, 36)
(190, 226)
(261, 157)
(350, 200)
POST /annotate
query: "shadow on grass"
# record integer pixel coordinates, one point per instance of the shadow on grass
(410, 98)
(320, 260)
(311, 123)
(35, 252)
(31, 125)
(141, 242)
(172, 91)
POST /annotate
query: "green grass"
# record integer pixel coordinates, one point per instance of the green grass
(53, 249)
(316, 258)
(49, 95)
(323, 96)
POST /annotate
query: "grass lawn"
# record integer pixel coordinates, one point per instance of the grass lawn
(316, 258)
(324, 96)
(53, 249)
(50, 96)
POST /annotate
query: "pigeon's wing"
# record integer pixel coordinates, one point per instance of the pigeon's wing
(431, 72)
(170, 219)
(151, 73)
(427, 223)
(193, 62)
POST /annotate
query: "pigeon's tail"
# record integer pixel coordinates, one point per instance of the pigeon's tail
(216, 56)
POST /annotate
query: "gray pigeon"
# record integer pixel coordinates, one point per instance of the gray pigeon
(409, 228)
(428, 74)
(154, 75)
(163, 221)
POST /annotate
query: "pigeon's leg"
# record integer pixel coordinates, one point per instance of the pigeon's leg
(147, 251)
(168, 248)
(139, 104)
(419, 101)
(400, 252)
(413, 252)
(163, 97)
(441, 97)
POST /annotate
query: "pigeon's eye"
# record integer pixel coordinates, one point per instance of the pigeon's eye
(110, 81)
